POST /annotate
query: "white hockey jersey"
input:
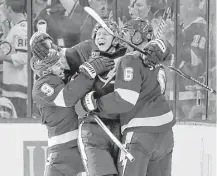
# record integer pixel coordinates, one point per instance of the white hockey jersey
(15, 73)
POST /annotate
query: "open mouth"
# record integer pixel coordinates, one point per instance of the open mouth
(101, 43)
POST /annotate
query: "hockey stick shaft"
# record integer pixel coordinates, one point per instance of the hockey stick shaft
(103, 24)
(114, 139)
(191, 78)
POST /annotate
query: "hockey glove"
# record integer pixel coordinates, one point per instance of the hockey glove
(86, 104)
(40, 44)
(96, 66)
(89, 102)
(157, 51)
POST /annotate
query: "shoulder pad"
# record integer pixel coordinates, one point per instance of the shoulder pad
(45, 87)
(130, 57)
(50, 79)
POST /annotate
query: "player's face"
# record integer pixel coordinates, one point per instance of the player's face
(138, 8)
(103, 39)
(58, 68)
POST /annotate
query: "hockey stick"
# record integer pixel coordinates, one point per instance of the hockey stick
(114, 139)
(103, 24)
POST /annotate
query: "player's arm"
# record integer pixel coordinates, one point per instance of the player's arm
(54, 92)
(79, 53)
(126, 90)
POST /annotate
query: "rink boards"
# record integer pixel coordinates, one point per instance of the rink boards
(23, 149)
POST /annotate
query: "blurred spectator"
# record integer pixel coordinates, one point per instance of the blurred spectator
(38, 6)
(67, 22)
(14, 83)
(58, 25)
(165, 28)
(193, 58)
(145, 9)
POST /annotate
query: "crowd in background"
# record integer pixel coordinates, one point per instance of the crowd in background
(68, 24)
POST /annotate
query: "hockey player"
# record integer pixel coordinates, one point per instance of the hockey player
(14, 82)
(96, 148)
(56, 94)
(145, 116)
(76, 55)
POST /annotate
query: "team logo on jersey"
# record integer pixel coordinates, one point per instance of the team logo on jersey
(128, 74)
(47, 89)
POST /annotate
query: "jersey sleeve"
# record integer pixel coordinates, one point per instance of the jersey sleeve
(126, 87)
(81, 52)
(51, 91)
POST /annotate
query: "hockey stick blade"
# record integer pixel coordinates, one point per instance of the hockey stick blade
(92, 13)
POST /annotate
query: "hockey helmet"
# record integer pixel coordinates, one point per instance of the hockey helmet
(42, 67)
(140, 30)
(112, 25)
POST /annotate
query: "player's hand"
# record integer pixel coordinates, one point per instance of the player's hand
(89, 102)
(40, 44)
(86, 105)
(96, 66)
(157, 51)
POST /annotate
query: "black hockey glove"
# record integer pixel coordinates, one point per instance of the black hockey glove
(86, 104)
(157, 51)
(40, 43)
(96, 66)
